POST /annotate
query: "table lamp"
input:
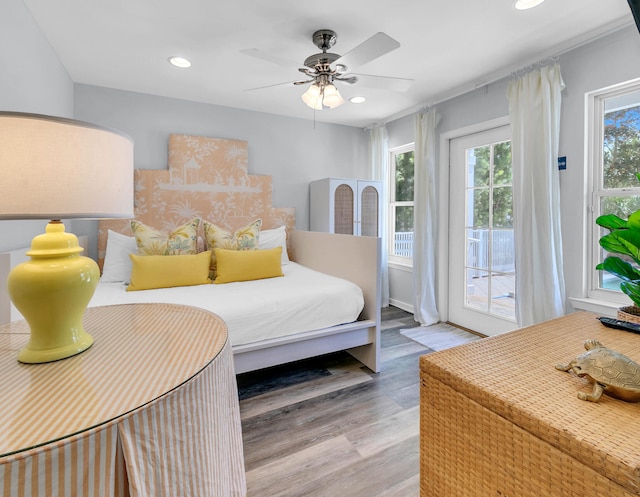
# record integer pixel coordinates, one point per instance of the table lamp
(54, 168)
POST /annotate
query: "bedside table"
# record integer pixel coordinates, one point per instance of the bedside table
(150, 409)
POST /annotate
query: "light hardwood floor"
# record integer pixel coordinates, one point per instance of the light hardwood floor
(328, 427)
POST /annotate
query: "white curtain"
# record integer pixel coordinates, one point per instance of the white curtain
(424, 220)
(379, 160)
(534, 110)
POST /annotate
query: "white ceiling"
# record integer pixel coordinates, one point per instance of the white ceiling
(447, 46)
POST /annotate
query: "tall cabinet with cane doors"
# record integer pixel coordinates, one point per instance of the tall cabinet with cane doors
(347, 206)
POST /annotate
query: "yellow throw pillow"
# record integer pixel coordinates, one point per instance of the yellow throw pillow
(165, 271)
(245, 238)
(181, 241)
(246, 265)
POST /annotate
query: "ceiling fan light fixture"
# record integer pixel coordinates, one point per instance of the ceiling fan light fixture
(332, 97)
(313, 97)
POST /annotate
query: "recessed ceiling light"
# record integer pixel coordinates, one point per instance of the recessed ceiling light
(527, 4)
(357, 100)
(179, 62)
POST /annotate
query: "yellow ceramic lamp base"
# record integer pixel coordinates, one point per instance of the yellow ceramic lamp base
(52, 292)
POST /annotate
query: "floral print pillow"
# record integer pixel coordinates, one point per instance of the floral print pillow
(245, 238)
(181, 241)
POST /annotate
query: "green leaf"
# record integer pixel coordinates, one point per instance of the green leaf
(632, 290)
(612, 243)
(611, 221)
(620, 268)
(633, 223)
(631, 239)
(626, 242)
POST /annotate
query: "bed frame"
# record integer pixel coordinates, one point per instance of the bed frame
(208, 178)
(349, 257)
(352, 258)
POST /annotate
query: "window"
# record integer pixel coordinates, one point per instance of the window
(401, 205)
(614, 139)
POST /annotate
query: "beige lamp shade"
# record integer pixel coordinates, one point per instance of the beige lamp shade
(55, 168)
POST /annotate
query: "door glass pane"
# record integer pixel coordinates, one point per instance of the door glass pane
(503, 288)
(503, 207)
(490, 264)
(477, 207)
(502, 251)
(478, 166)
(502, 164)
(478, 248)
(477, 290)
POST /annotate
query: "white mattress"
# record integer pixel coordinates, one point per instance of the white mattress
(302, 300)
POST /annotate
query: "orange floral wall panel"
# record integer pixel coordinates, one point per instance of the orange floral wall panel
(207, 178)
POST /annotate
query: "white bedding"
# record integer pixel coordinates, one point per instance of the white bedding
(302, 300)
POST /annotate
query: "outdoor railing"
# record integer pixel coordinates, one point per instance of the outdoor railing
(502, 250)
(403, 244)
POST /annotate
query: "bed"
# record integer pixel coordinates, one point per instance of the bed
(328, 299)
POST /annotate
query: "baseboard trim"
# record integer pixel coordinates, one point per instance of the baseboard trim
(401, 305)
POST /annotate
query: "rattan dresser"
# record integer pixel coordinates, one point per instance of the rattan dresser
(498, 420)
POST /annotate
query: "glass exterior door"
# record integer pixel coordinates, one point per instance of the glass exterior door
(482, 265)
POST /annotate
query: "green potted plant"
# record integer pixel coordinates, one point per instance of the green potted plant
(623, 238)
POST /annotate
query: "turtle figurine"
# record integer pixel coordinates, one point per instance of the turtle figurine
(610, 372)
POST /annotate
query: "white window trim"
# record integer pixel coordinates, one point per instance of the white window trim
(396, 260)
(594, 111)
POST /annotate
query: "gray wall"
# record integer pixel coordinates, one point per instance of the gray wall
(604, 62)
(293, 151)
(31, 80)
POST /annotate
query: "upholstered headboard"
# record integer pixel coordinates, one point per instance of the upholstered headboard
(207, 178)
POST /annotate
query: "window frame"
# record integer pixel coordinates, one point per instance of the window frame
(595, 111)
(392, 204)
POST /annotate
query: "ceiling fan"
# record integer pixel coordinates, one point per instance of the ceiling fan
(325, 68)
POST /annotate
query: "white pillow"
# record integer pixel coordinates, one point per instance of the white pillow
(277, 237)
(117, 264)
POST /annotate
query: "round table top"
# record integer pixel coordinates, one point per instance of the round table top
(140, 353)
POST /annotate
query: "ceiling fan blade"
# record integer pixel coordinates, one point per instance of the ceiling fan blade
(372, 48)
(264, 55)
(271, 86)
(383, 82)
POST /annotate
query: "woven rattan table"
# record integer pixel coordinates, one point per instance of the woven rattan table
(497, 419)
